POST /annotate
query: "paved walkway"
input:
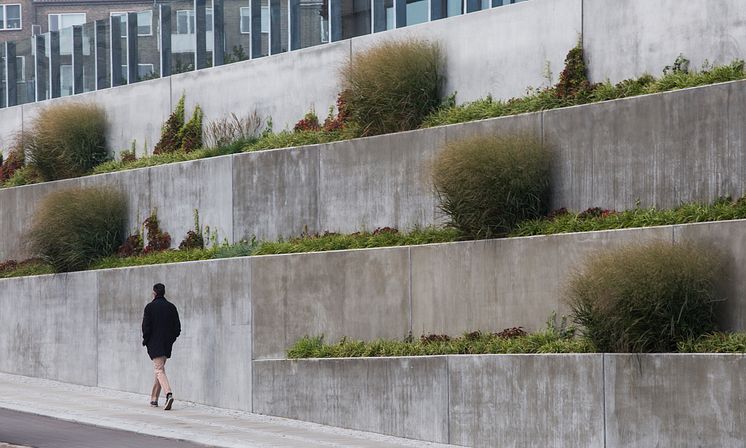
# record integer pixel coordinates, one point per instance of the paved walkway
(187, 421)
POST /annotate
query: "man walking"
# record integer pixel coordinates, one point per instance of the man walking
(160, 328)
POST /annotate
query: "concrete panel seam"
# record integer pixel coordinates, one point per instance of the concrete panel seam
(603, 394)
(411, 309)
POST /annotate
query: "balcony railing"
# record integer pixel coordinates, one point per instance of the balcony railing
(185, 35)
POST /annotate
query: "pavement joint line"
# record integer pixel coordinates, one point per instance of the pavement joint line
(192, 422)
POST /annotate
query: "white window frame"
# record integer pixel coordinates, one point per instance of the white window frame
(5, 17)
(124, 22)
(60, 14)
(241, 16)
(152, 68)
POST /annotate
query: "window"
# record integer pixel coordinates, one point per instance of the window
(62, 23)
(10, 17)
(20, 69)
(265, 19)
(245, 20)
(185, 21)
(66, 80)
(144, 23)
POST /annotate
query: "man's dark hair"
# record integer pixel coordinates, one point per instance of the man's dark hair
(159, 289)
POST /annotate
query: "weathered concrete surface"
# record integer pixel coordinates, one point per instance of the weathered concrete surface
(211, 361)
(275, 193)
(525, 400)
(406, 397)
(373, 182)
(283, 86)
(361, 294)
(206, 185)
(134, 113)
(675, 400)
(516, 43)
(626, 39)
(661, 149)
(495, 284)
(47, 332)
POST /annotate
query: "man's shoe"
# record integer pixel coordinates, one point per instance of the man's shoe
(169, 402)
(154, 404)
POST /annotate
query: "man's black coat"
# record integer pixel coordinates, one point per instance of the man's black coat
(160, 327)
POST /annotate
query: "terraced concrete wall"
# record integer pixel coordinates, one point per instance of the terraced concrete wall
(657, 150)
(85, 327)
(594, 400)
(501, 51)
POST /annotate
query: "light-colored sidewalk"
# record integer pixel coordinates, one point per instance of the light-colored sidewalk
(187, 421)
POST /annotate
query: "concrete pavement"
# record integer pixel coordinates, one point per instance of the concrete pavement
(187, 421)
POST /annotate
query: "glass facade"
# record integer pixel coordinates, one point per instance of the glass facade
(77, 56)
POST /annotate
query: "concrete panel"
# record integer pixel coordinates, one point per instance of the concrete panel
(362, 294)
(729, 239)
(495, 284)
(625, 39)
(11, 123)
(49, 328)
(523, 400)
(530, 124)
(378, 182)
(211, 360)
(520, 41)
(675, 400)
(176, 190)
(405, 397)
(135, 113)
(275, 193)
(652, 149)
(283, 86)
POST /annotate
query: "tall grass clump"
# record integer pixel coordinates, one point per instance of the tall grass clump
(487, 185)
(73, 228)
(393, 86)
(66, 140)
(646, 298)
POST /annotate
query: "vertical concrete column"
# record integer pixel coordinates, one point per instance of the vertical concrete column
(55, 79)
(335, 19)
(100, 50)
(256, 28)
(164, 36)
(275, 26)
(218, 33)
(77, 59)
(294, 11)
(133, 74)
(400, 12)
(473, 5)
(115, 27)
(200, 34)
(11, 70)
(379, 16)
(41, 67)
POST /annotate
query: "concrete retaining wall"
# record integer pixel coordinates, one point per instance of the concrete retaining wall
(84, 328)
(594, 400)
(501, 51)
(656, 149)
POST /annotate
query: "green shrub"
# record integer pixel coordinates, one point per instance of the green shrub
(73, 228)
(190, 135)
(394, 86)
(487, 185)
(170, 141)
(715, 343)
(66, 140)
(646, 298)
